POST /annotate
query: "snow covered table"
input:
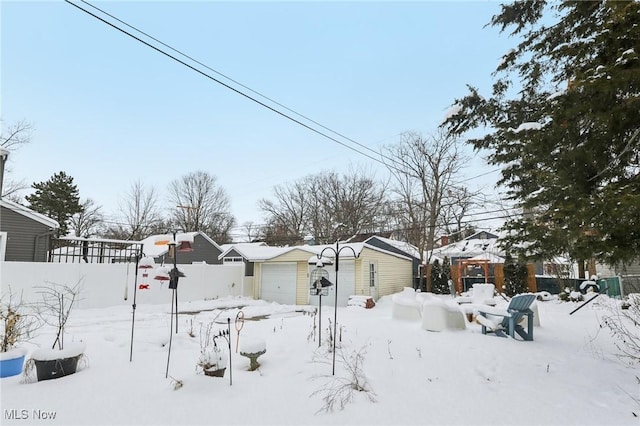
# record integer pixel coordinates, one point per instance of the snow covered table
(438, 315)
(405, 305)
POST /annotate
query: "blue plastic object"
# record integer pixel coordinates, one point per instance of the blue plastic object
(11, 367)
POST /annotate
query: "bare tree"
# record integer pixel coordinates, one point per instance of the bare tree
(457, 203)
(423, 168)
(201, 205)
(140, 214)
(345, 205)
(87, 223)
(287, 213)
(327, 205)
(251, 231)
(11, 138)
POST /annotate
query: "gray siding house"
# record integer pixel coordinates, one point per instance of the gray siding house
(204, 249)
(25, 235)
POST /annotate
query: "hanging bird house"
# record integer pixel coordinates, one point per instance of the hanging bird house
(185, 246)
(162, 274)
(146, 262)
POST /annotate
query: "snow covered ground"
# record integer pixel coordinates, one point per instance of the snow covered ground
(569, 375)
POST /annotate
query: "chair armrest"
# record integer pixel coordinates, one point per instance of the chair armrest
(494, 311)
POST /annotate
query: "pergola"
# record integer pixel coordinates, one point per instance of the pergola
(483, 263)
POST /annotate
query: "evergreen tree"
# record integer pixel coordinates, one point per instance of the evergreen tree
(446, 275)
(434, 276)
(57, 198)
(567, 131)
(439, 284)
(515, 276)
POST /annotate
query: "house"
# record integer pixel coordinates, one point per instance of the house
(25, 235)
(402, 248)
(282, 274)
(480, 258)
(203, 248)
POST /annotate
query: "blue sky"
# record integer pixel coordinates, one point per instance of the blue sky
(109, 111)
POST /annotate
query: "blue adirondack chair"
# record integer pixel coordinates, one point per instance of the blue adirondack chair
(519, 306)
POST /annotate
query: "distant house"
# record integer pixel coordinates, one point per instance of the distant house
(25, 235)
(282, 274)
(480, 258)
(204, 249)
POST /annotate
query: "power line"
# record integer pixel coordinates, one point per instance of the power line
(234, 81)
(238, 91)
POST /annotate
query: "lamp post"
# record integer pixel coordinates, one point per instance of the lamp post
(336, 251)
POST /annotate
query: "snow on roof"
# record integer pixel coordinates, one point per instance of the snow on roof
(27, 212)
(227, 246)
(400, 245)
(157, 245)
(492, 258)
(470, 248)
(254, 252)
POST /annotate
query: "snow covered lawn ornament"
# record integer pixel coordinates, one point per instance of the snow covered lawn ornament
(252, 348)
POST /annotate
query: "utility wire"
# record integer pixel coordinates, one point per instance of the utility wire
(234, 81)
(231, 87)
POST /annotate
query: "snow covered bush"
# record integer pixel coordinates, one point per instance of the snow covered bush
(338, 390)
(18, 324)
(569, 295)
(58, 301)
(624, 326)
(212, 357)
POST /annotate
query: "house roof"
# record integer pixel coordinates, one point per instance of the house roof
(156, 245)
(254, 252)
(403, 246)
(27, 212)
(469, 248)
(240, 248)
(483, 235)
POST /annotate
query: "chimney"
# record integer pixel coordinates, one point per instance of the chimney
(444, 240)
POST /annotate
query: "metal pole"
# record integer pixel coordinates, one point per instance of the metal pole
(579, 307)
(170, 334)
(135, 292)
(229, 344)
(320, 320)
(175, 267)
(335, 310)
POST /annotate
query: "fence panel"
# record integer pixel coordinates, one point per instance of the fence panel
(112, 284)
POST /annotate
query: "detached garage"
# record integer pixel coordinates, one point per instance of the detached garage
(282, 274)
(279, 282)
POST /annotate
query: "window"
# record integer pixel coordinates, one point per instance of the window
(232, 259)
(372, 274)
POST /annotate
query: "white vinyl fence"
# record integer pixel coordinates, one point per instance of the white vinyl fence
(112, 284)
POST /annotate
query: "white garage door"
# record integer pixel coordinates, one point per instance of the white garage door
(346, 284)
(278, 283)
